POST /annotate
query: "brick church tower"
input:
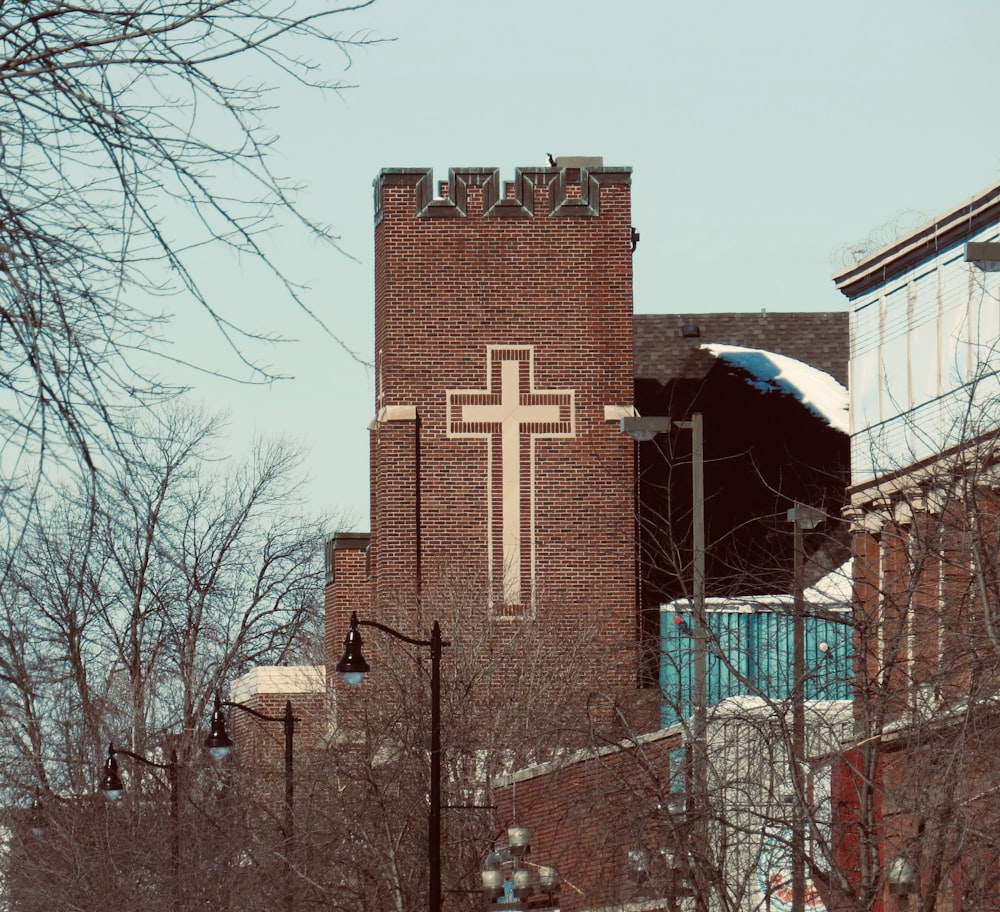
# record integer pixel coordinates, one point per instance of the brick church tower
(503, 337)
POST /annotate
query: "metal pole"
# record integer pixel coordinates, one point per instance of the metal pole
(289, 726)
(798, 718)
(434, 819)
(802, 517)
(699, 754)
(698, 534)
(175, 824)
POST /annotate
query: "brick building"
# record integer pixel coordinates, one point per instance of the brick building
(917, 805)
(507, 504)
(498, 467)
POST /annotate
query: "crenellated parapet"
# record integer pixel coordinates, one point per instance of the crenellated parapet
(573, 191)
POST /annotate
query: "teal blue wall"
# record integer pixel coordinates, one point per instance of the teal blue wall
(758, 645)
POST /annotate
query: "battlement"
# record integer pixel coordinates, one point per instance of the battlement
(573, 185)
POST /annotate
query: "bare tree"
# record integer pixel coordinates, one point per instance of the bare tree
(511, 695)
(128, 608)
(132, 140)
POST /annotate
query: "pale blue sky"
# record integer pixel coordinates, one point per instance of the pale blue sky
(762, 136)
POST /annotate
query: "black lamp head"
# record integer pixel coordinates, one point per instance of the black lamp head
(111, 783)
(218, 742)
(352, 666)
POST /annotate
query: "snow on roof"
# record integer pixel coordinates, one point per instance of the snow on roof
(834, 591)
(837, 586)
(770, 372)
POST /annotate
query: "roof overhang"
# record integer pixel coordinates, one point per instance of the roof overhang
(940, 233)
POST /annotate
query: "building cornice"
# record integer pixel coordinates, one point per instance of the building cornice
(925, 242)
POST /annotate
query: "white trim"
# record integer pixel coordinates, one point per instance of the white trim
(396, 413)
(278, 679)
(617, 412)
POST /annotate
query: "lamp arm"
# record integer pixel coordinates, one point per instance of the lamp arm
(402, 636)
(141, 759)
(254, 712)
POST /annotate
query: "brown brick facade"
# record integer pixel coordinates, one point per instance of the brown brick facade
(587, 814)
(503, 334)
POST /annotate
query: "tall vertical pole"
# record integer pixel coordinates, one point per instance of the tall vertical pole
(289, 725)
(434, 819)
(175, 828)
(353, 667)
(803, 518)
(798, 716)
(699, 757)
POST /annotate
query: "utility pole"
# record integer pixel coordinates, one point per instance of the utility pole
(645, 429)
(802, 518)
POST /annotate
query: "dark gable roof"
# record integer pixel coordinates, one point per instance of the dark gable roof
(662, 353)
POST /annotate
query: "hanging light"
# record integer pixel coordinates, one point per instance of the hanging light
(548, 877)
(218, 742)
(902, 876)
(36, 817)
(352, 666)
(518, 838)
(492, 876)
(509, 880)
(111, 783)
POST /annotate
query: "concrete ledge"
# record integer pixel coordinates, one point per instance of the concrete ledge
(278, 679)
(617, 412)
(396, 413)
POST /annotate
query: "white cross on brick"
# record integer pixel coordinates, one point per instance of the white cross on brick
(511, 412)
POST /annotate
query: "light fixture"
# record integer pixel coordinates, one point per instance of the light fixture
(352, 666)
(660, 871)
(111, 786)
(219, 745)
(492, 875)
(509, 881)
(36, 817)
(111, 782)
(901, 876)
(218, 742)
(645, 429)
(518, 838)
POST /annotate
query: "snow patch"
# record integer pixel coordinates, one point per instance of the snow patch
(770, 372)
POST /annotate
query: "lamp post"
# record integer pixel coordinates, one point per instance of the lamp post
(510, 884)
(803, 518)
(111, 785)
(219, 745)
(645, 429)
(353, 667)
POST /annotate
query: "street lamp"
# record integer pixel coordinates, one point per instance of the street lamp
(512, 884)
(803, 518)
(353, 667)
(36, 817)
(220, 745)
(665, 868)
(644, 429)
(112, 787)
(901, 877)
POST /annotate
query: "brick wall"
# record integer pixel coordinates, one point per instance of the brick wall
(347, 589)
(259, 744)
(540, 275)
(587, 812)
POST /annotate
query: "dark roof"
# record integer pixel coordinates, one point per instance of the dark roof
(662, 353)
